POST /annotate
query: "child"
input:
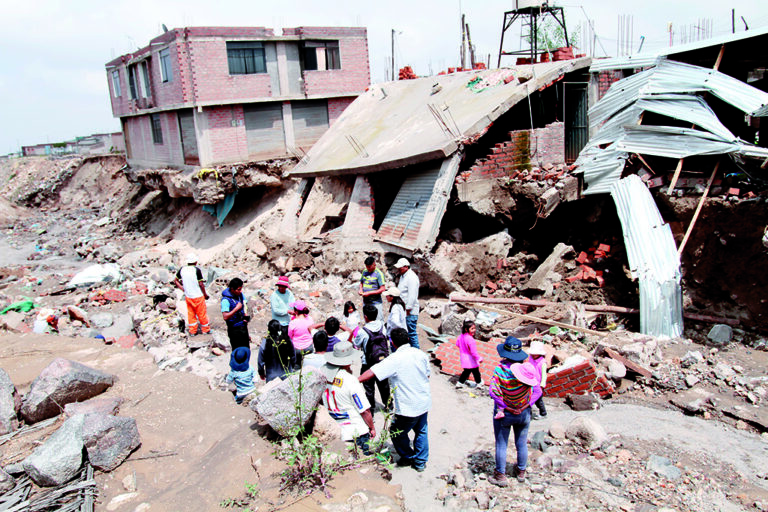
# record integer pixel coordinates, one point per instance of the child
(276, 354)
(538, 360)
(317, 358)
(351, 317)
(332, 326)
(241, 374)
(470, 359)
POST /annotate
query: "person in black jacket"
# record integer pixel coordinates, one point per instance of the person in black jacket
(233, 309)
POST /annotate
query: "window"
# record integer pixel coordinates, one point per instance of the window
(132, 82)
(246, 58)
(165, 65)
(321, 55)
(157, 130)
(116, 83)
(145, 76)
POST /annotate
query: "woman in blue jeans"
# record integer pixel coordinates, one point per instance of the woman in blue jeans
(510, 389)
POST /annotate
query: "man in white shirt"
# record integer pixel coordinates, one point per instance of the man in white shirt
(408, 372)
(344, 397)
(409, 292)
(190, 279)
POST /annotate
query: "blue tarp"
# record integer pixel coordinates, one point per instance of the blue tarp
(222, 209)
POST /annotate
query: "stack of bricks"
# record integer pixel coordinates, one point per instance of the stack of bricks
(515, 158)
(579, 379)
(448, 355)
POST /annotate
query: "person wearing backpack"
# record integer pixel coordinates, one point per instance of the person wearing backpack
(372, 340)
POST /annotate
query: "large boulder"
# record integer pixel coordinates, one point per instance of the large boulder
(62, 382)
(279, 406)
(109, 439)
(10, 402)
(58, 460)
(587, 432)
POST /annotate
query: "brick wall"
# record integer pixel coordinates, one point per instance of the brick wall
(523, 150)
(354, 75)
(142, 147)
(605, 79)
(579, 379)
(212, 79)
(228, 143)
(336, 106)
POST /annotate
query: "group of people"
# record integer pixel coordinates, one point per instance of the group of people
(390, 357)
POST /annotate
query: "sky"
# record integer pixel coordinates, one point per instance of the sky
(53, 84)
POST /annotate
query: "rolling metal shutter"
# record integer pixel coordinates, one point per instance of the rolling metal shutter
(188, 137)
(403, 222)
(264, 130)
(310, 121)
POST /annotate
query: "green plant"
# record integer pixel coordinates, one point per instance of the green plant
(252, 490)
(550, 34)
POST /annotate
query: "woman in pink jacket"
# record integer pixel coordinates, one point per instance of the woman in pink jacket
(470, 360)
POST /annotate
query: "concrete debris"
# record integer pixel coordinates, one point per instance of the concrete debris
(13, 321)
(7, 482)
(10, 403)
(542, 281)
(62, 382)
(720, 335)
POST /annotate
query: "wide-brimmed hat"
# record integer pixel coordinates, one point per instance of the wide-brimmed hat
(392, 291)
(239, 360)
(512, 349)
(283, 281)
(537, 349)
(298, 305)
(525, 373)
(343, 354)
(191, 258)
(402, 262)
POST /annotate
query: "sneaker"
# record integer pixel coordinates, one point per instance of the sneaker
(459, 385)
(519, 474)
(543, 414)
(403, 462)
(420, 469)
(499, 479)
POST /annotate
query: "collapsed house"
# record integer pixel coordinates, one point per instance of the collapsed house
(672, 115)
(383, 174)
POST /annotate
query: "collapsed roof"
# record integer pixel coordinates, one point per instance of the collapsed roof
(411, 121)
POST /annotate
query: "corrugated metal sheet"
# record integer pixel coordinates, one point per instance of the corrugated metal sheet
(620, 95)
(264, 130)
(652, 256)
(310, 121)
(648, 58)
(403, 221)
(687, 108)
(672, 142)
(601, 169)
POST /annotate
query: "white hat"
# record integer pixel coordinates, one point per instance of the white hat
(191, 258)
(402, 262)
(343, 354)
(537, 349)
(392, 290)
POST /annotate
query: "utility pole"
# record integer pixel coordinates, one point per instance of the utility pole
(733, 21)
(393, 55)
(463, 41)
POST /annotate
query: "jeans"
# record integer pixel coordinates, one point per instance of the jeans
(412, 323)
(519, 423)
(238, 336)
(370, 390)
(402, 425)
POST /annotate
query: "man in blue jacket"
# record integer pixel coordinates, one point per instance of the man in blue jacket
(233, 309)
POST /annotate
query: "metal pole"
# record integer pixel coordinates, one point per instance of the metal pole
(463, 39)
(393, 55)
(733, 21)
(501, 44)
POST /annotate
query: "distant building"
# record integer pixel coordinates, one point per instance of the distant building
(201, 96)
(96, 144)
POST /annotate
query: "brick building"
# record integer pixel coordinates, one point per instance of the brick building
(200, 96)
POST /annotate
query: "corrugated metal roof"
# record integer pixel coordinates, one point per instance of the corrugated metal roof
(601, 169)
(622, 93)
(687, 108)
(672, 142)
(647, 59)
(652, 256)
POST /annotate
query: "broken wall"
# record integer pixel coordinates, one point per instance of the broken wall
(325, 204)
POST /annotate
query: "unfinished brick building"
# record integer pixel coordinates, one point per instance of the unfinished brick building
(200, 96)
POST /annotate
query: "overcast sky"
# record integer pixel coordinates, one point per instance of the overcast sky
(53, 85)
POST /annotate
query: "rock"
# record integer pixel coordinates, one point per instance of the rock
(582, 402)
(7, 482)
(543, 279)
(60, 383)
(101, 405)
(102, 320)
(122, 326)
(455, 235)
(278, 406)
(452, 322)
(433, 308)
(14, 469)
(221, 341)
(10, 402)
(557, 430)
(691, 358)
(120, 499)
(723, 371)
(587, 432)
(538, 441)
(109, 439)
(720, 335)
(614, 481)
(12, 321)
(483, 500)
(129, 482)
(77, 314)
(662, 466)
(58, 460)
(457, 479)
(326, 428)
(691, 380)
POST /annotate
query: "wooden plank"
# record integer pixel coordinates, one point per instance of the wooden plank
(698, 209)
(675, 177)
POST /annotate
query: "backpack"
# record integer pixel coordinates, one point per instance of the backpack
(377, 347)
